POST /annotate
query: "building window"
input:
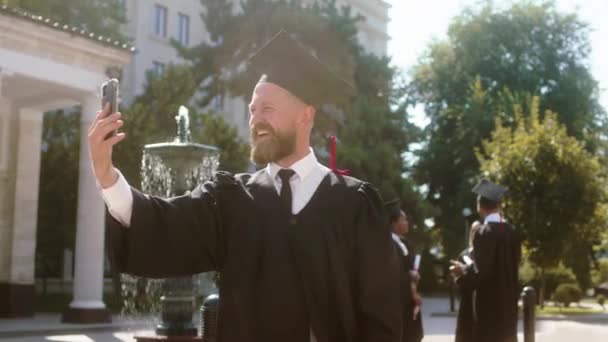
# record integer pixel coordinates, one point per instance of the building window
(217, 103)
(158, 68)
(183, 29)
(160, 21)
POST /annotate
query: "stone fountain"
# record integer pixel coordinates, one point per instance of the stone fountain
(171, 169)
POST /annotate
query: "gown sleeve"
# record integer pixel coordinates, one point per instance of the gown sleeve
(484, 245)
(467, 281)
(173, 237)
(378, 293)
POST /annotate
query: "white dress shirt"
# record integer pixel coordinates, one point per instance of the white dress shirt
(307, 178)
(119, 200)
(494, 217)
(400, 243)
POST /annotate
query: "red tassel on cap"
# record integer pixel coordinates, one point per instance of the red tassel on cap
(332, 157)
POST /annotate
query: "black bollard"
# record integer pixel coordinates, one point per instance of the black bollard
(209, 318)
(452, 308)
(528, 296)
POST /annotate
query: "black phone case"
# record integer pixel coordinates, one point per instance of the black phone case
(109, 94)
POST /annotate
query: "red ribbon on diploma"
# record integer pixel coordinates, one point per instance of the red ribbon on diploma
(332, 157)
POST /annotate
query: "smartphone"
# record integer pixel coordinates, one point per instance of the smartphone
(109, 94)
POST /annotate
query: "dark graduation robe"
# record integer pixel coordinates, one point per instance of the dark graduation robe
(464, 322)
(412, 328)
(413, 331)
(330, 268)
(493, 285)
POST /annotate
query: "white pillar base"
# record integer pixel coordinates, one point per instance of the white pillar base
(88, 306)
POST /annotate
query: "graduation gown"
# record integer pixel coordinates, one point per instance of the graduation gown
(492, 283)
(414, 331)
(464, 322)
(412, 328)
(329, 269)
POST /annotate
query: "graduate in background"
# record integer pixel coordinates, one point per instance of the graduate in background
(411, 299)
(305, 253)
(464, 325)
(492, 275)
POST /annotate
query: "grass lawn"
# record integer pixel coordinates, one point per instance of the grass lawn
(572, 310)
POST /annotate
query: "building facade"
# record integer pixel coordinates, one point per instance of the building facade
(152, 23)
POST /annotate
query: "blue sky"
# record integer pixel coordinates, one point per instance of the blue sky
(415, 23)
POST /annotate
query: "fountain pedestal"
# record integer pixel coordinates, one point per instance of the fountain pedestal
(171, 169)
(168, 338)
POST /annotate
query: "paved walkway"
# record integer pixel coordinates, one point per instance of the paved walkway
(439, 325)
(50, 325)
(438, 328)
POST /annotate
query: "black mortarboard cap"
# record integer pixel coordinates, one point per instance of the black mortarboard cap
(393, 208)
(490, 190)
(286, 62)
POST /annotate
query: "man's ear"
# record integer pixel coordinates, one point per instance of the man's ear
(309, 114)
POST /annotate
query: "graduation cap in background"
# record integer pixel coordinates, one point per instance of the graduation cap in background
(393, 208)
(490, 190)
(286, 62)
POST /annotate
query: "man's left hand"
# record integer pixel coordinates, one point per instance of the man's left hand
(457, 268)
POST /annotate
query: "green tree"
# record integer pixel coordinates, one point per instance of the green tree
(103, 17)
(151, 118)
(211, 129)
(527, 48)
(446, 164)
(556, 186)
(600, 274)
(58, 175)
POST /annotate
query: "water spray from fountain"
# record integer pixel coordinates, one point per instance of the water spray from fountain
(172, 169)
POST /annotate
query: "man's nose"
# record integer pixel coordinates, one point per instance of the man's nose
(255, 118)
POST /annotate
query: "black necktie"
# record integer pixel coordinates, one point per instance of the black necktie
(285, 175)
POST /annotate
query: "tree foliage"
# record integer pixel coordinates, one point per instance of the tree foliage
(556, 188)
(57, 201)
(600, 274)
(528, 48)
(151, 119)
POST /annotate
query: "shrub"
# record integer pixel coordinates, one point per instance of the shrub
(567, 293)
(600, 274)
(601, 300)
(530, 275)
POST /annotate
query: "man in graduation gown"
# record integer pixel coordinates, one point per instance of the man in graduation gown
(304, 253)
(492, 276)
(410, 298)
(464, 324)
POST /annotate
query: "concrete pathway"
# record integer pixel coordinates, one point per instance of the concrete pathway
(438, 328)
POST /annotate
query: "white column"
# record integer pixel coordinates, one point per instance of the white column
(88, 270)
(26, 196)
(7, 174)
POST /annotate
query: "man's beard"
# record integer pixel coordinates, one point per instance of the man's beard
(273, 147)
